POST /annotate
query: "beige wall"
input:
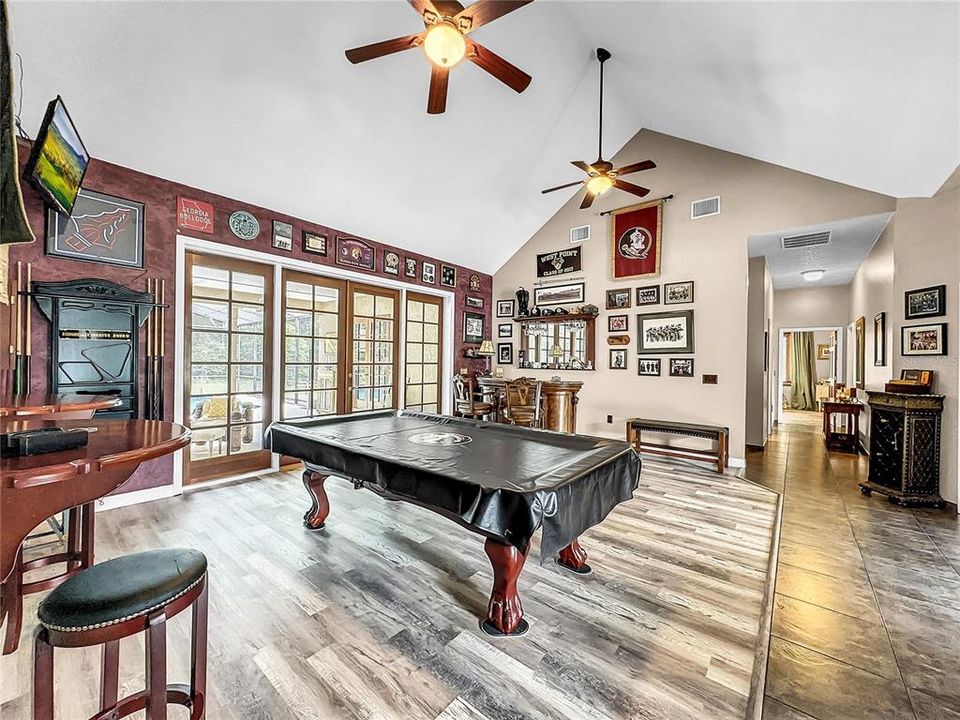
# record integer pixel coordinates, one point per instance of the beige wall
(756, 197)
(927, 252)
(812, 307)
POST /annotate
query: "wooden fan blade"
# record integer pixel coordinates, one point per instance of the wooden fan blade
(630, 187)
(636, 167)
(561, 187)
(387, 47)
(484, 11)
(508, 74)
(583, 166)
(587, 200)
(437, 100)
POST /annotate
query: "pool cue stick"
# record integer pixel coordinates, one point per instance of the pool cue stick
(18, 363)
(160, 337)
(27, 310)
(148, 360)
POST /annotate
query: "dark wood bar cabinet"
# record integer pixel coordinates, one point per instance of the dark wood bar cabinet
(905, 448)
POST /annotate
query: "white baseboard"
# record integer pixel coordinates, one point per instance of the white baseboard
(736, 462)
(137, 496)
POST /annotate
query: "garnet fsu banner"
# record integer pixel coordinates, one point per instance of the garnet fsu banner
(635, 240)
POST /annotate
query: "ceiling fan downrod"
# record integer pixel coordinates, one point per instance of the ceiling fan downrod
(602, 55)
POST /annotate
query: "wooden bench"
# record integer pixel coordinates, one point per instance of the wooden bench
(717, 456)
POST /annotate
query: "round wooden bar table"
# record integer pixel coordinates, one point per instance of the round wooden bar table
(35, 487)
(62, 405)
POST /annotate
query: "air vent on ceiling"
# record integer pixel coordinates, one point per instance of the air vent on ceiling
(579, 234)
(705, 208)
(793, 242)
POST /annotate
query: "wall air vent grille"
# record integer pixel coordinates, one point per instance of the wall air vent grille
(579, 234)
(705, 208)
(804, 240)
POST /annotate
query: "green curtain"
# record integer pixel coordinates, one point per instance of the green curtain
(14, 227)
(804, 377)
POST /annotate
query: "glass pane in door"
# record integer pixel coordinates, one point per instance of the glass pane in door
(227, 371)
(422, 353)
(373, 353)
(311, 346)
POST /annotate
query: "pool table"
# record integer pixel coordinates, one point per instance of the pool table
(500, 481)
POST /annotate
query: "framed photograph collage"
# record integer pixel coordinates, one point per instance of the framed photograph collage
(666, 332)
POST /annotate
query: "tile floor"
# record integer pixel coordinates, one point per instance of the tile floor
(867, 610)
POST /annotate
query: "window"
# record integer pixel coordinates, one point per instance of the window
(423, 348)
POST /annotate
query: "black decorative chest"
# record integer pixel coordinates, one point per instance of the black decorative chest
(905, 448)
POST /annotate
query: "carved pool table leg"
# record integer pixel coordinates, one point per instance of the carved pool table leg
(573, 557)
(313, 519)
(504, 612)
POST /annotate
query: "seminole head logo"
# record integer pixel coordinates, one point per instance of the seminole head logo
(635, 243)
(99, 230)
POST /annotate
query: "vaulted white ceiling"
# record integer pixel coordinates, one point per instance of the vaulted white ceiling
(256, 101)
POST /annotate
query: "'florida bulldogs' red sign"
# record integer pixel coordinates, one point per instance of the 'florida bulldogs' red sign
(194, 215)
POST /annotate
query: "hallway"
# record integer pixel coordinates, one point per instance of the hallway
(867, 608)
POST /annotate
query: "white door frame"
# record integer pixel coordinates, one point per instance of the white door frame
(782, 356)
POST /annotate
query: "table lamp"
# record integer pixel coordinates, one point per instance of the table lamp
(486, 350)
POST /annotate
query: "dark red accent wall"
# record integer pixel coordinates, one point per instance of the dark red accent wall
(160, 233)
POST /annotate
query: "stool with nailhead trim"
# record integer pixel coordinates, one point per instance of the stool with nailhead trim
(113, 600)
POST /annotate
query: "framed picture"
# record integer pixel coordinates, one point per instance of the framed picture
(505, 330)
(925, 302)
(681, 367)
(649, 295)
(766, 350)
(678, 293)
(313, 243)
(474, 302)
(355, 253)
(410, 267)
(282, 236)
(880, 340)
(568, 294)
(665, 332)
(505, 353)
(923, 377)
(474, 283)
(505, 308)
(618, 298)
(923, 339)
(391, 262)
(428, 272)
(823, 351)
(635, 240)
(472, 327)
(618, 323)
(648, 366)
(618, 358)
(101, 229)
(448, 276)
(860, 349)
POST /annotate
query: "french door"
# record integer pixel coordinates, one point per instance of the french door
(372, 360)
(227, 365)
(423, 336)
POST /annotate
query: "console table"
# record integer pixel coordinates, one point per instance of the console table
(845, 434)
(905, 448)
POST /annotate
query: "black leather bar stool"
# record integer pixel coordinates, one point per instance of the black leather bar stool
(116, 599)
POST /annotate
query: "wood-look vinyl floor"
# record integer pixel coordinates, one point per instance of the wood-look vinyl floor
(376, 615)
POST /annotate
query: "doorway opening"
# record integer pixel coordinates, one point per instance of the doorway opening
(811, 368)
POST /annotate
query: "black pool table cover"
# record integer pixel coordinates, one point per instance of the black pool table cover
(501, 481)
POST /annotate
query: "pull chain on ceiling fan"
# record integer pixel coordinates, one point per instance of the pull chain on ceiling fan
(601, 174)
(445, 42)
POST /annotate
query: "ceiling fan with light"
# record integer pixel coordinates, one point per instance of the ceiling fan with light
(602, 175)
(445, 42)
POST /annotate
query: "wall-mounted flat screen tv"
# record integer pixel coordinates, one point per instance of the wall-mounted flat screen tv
(59, 160)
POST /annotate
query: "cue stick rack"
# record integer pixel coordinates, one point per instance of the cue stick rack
(155, 332)
(17, 377)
